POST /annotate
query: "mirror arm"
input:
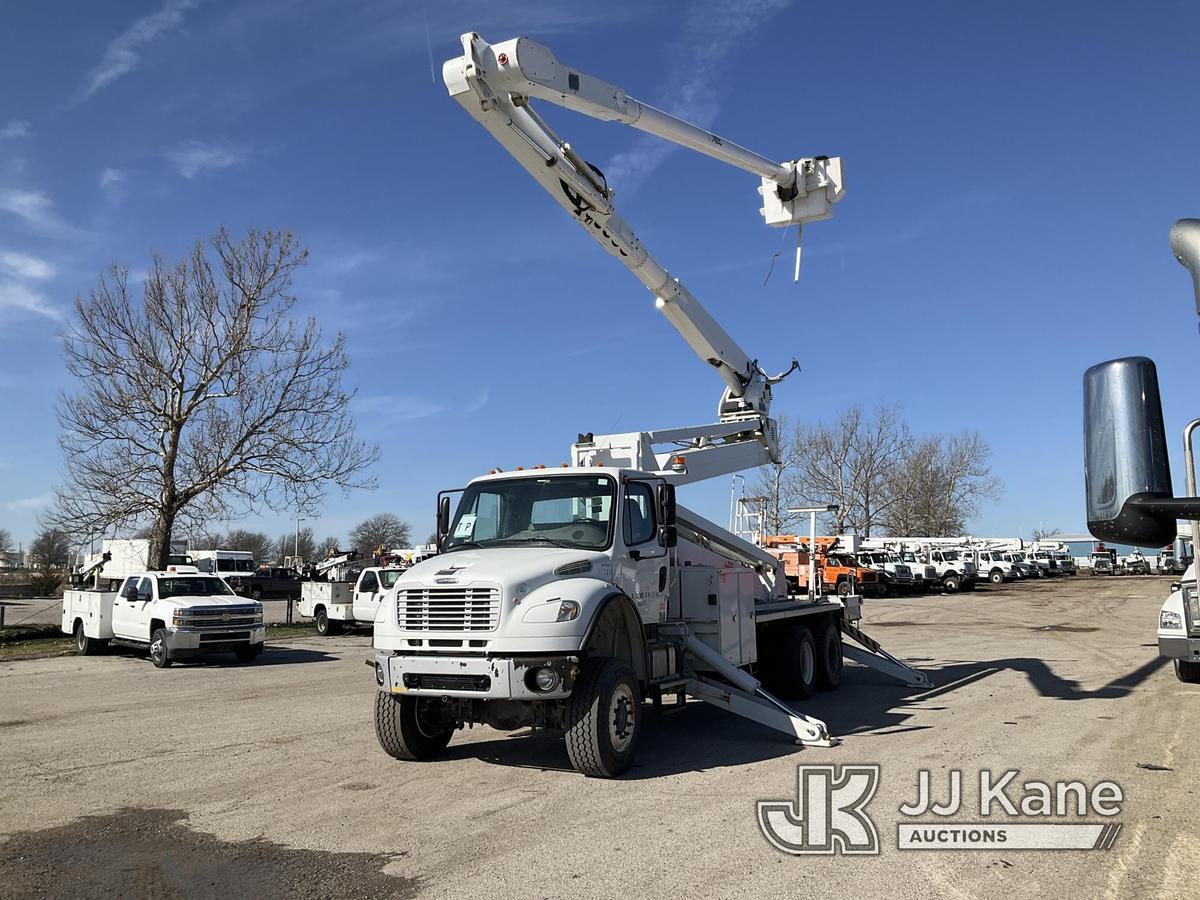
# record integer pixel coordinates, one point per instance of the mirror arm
(1175, 507)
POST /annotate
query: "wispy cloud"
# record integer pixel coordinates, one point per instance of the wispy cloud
(111, 177)
(29, 502)
(194, 157)
(36, 210)
(17, 128)
(396, 407)
(124, 53)
(24, 266)
(711, 31)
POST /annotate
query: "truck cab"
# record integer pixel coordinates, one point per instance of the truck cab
(993, 566)
(955, 571)
(898, 576)
(176, 614)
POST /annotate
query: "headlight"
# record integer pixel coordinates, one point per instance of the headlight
(567, 610)
(258, 617)
(181, 617)
(545, 679)
(1170, 621)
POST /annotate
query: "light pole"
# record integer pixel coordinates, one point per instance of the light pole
(813, 512)
(297, 547)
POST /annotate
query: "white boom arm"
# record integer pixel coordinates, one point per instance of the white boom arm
(495, 83)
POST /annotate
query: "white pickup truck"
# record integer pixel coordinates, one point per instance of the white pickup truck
(174, 614)
(337, 604)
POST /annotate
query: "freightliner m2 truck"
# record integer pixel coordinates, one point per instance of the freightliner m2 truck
(564, 598)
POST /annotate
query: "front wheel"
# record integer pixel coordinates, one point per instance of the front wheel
(1187, 671)
(248, 653)
(255, 593)
(411, 728)
(996, 577)
(160, 654)
(604, 721)
(951, 584)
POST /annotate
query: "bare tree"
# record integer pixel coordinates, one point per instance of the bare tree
(383, 531)
(305, 547)
(203, 399)
(255, 542)
(941, 484)
(50, 549)
(850, 463)
(323, 548)
(1042, 534)
(5, 541)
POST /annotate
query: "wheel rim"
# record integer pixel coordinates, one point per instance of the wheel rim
(622, 717)
(426, 723)
(80, 638)
(808, 664)
(322, 624)
(157, 650)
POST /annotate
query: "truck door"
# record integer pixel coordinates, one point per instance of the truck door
(642, 565)
(366, 596)
(131, 609)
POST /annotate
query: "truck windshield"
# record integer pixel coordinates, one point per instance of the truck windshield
(192, 586)
(566, 510)
(388, 577)
(950, 555)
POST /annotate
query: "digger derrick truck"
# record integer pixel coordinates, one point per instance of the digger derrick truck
(838, 570)
(565, 598)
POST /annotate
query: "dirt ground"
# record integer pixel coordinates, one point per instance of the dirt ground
(221, 780)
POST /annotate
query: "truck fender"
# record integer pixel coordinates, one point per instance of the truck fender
(616, 630)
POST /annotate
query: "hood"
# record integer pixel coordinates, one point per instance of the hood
(504, 565)
(185, 602)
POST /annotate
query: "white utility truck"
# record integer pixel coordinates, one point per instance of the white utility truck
(995, 567)
(122, 557)
(226, 563)
(1127, 471)
(176, 614)
(563, 598)
(345, 594)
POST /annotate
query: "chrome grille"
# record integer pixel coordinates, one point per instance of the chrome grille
(448, 609)
(224, 616)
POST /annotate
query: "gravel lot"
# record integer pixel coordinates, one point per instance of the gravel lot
(219, 780)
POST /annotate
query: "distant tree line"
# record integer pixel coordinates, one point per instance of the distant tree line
(882, 478)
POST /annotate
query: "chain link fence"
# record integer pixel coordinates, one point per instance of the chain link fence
(48, 611)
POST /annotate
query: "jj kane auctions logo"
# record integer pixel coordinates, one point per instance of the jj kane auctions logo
(829, 814)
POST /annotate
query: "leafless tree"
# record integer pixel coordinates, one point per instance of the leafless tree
(382, 531)
(305, 547)
(323, 548)
(850, 463)
(204, 398)
(256, 542)
(51, 549)
(5, 541)
(1042, 534)
(941, 484)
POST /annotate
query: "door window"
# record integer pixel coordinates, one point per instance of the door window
(146, 589)
(369, 584)
(639, 513)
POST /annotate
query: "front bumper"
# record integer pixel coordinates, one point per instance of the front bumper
(186, 639)
(473, 677)
(1179, 648)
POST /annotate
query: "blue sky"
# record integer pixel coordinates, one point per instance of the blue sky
(1012, 171)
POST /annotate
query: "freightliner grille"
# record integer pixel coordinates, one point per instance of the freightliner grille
(448, 609)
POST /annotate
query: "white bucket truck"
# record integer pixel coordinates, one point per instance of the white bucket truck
(346, 593)
(565, 597)
(176, 614)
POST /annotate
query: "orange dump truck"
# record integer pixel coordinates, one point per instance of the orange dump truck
(836, 568)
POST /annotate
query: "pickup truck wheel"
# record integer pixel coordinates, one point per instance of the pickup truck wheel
(996, 577)
(410, 728)
(255, 593)
(1186, 671)
(160, 655)
(84, 645)
(604, 718)
(829, 657)
(326, 627)
(951, 584)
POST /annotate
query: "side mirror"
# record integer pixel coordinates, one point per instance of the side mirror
(443, 520)
(1127, 472)
(668, 535)
(130, 593)
(666, 505)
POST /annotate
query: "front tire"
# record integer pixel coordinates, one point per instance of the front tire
(1187, 671)
(256, 593)
(951, 584)
(604, 721)
(249, 653)
(410, 728)
(997, 577)
(160, 654)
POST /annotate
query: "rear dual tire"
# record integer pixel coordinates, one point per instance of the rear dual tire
(326, 627)
(86, 646)
(801, 661)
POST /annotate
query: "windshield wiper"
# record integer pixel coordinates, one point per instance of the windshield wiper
(464, 545)
(537, 539)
